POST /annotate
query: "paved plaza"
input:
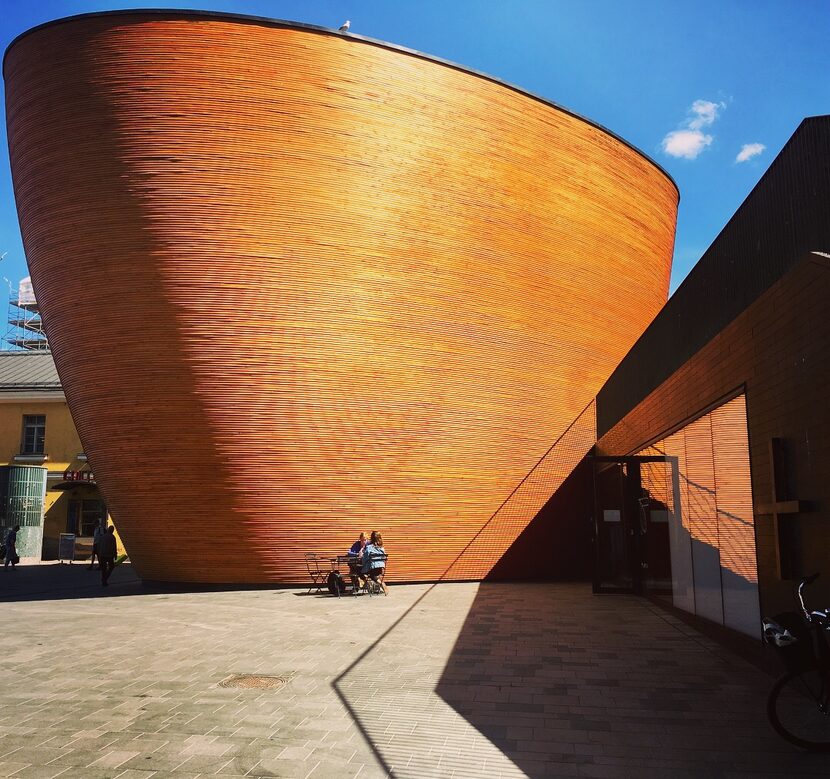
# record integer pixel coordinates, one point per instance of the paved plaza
(450, 680)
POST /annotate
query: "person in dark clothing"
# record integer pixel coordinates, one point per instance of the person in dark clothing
(10, 542)
(107, 550)
(357, 547)
(355, 554)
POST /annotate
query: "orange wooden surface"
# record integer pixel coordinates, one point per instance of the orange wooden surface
(736, 519)
(714, 507)
(299, 285)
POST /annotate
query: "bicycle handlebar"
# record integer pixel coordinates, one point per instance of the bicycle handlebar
(822, 616)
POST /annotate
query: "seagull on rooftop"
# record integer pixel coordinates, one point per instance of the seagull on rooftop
(345, 26)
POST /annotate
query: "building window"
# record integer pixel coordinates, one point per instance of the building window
(92, 512)
(83, 515)
(34, 434)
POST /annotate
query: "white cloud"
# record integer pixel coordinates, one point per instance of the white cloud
(686, 143)
(704, 113)
(748, 151)
(689, 141)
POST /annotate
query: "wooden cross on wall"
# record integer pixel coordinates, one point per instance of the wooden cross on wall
(782, 503)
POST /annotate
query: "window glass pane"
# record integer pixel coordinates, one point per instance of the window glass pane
(34, 434)
(92, 511)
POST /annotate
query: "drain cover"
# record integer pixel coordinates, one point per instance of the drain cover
(252, 682)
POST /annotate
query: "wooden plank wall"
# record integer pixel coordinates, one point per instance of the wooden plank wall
(298, 285)
(713, 510)
(776, 350)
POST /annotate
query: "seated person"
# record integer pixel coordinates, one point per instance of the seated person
(373, 566)
(355, 553)
(356, 548)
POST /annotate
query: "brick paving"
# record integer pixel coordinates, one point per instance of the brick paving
(454, 680)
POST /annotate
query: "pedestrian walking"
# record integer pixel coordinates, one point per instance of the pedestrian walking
(107, 550)
(96, 539)
(10, 542)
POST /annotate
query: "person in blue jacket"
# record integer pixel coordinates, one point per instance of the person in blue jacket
(374, 560)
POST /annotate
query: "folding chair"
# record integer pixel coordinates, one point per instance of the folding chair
(354, 573)
(371, 586)
(317, 574)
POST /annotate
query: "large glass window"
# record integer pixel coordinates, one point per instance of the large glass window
(34, 434)
(83, 515)
(92, 512)
(711, 521)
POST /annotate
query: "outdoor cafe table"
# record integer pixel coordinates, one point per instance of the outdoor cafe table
(352, 565)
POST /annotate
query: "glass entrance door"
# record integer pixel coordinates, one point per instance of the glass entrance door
(634, 500)
(655, 508)
(613, 534)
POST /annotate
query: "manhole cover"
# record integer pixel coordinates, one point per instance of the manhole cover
(253, 682)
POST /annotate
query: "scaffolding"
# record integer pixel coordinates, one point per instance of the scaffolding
(25, 331)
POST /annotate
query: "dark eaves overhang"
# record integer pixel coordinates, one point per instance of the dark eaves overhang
(50, 387)
(63, 486)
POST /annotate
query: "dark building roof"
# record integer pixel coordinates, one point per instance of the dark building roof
(783, 219)
(28, 371)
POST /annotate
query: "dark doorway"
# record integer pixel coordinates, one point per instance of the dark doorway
(633, 506)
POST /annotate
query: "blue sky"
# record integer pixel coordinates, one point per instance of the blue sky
(695, 85)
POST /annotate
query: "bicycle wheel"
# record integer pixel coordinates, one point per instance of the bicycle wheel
(797, 707)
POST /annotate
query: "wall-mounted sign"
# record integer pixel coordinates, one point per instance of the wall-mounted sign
(82, 476)
(611, 515)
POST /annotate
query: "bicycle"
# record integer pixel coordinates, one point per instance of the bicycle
(798, 705)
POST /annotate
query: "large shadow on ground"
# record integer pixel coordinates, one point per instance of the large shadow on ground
(538, 679)
(549, 680)
(77, 582)
(444, 682)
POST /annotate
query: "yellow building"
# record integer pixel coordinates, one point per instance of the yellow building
(41, 453)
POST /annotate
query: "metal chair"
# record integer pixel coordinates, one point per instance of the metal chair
(336, 562)
(371, 586)
(353, 563)
(317, 574)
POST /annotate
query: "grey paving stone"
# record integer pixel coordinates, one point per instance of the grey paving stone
(8, 768)
(154, 761)
(291, 769)
(201, 764)
(474, 680)
(39, 772)
(86, 772)
(371, 772)
(332, 769)
(134, 774)
(238, 766)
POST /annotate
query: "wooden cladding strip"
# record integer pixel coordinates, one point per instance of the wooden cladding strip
(736, 521)
(299, 286)
(716, 492)
(477, 558)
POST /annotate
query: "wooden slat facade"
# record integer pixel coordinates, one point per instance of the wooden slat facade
(299, 285)
(713, 522)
